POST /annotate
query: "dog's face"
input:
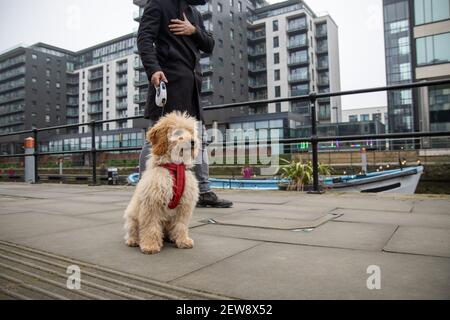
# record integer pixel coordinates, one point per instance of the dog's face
(174, 137)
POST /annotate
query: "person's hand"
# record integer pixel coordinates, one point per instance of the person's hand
(157, 77)
(182, 27)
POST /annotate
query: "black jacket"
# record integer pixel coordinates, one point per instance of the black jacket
(177, 56)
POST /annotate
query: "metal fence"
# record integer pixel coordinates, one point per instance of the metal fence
(314, 139)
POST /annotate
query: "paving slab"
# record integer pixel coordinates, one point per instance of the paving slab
(432, 206)
(277, 271)
(421, 240)
(256, 220)
(360, 236)
(104, 245)
(394, 218)
(31, 224)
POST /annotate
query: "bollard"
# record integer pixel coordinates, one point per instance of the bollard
(30, 168)
(363, 161)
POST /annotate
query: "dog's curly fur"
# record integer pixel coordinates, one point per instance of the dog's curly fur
(148, 219)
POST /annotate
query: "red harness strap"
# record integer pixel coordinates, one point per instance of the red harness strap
(177, 171)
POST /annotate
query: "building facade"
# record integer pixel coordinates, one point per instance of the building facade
(366, 114)
(263, 52)
(32, 93)
(417, 37)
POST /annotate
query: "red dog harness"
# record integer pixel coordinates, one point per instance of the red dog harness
(177, 171)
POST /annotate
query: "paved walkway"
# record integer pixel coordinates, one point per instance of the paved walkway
(271, 245)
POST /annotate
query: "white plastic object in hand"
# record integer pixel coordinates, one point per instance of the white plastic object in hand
(161, 94)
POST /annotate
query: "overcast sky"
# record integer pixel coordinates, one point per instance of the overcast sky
(77, 24)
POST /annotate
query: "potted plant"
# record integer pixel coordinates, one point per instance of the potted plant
(300, 174)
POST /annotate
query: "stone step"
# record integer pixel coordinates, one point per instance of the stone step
(27, 273)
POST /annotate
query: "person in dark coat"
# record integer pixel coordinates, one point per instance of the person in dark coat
(170, 37)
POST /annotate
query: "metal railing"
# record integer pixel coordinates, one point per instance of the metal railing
(314, 139)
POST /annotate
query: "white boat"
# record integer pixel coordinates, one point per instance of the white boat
(404, 180)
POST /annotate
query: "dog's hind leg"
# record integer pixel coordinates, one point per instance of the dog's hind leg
(131, 223)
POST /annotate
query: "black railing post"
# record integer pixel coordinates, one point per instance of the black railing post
(314, 144)
(35, 155)
(93, 154)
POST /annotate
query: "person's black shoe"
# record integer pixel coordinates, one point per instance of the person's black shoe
(210, 199)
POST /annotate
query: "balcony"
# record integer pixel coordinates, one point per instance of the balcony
(138, 65)
(12, 73)
(122, 105)
(140, 98)
(207, 87)
(10, 109)
(296, 28)
(322, 66)
(96, 87)
(121, 93)
(95, 98)
(72, 92)
(141, 81)
(256, 36)
(13, 96)
(257, 52)
(122, 81)
(12, 85)
(13, 62)
(206, 68)
(122, 114)
(123, 68)
(257, 68)
(95, 109)
(298, 61)
(205, 10)
(322, 49)
(323, 82)
(321, 32)
(257, 84)
(72, 81)
(258, 96)
(95, 75)
(298, 92)
(297, 77)
(72, 102)
(72, 113)
(297, 45)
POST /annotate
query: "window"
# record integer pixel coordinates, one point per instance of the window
(232, 35)
(34, 56)
(58, 85)
(433, 49)
(275, 25)
(277, 91)
(47, 118)
(231, 16)
(47, 83)
(276, 42)
(427, 11)
(277, 75)
(240, 6)
(353, 118)
(58, 107)
(220, 43)
(219, 7)
(34, 80)
(48, 72)
(278, 107)
(48, 60)
(365, 117)
(324, 112)
(276, 58)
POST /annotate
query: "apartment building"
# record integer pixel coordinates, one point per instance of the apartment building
(417, 37)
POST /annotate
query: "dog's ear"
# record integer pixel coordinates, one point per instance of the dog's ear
(158, 139)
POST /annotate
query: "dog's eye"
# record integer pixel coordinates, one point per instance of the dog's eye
(177, 133)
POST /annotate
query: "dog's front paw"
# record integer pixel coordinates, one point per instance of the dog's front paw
(150, 249)
(187, 243)
(132, 243)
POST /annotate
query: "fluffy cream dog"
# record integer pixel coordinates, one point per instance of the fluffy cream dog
(148, 218)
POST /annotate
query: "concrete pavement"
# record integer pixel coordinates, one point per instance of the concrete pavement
(270, 245)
